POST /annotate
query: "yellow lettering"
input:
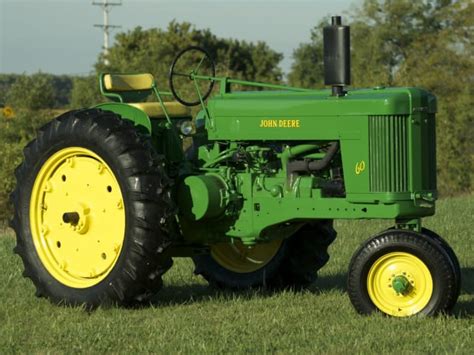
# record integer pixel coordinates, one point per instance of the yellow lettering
(280, 123)
(268, 123)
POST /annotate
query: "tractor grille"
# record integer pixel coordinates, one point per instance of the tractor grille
(388, 153)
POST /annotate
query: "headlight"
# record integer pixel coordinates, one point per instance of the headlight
(187, 128)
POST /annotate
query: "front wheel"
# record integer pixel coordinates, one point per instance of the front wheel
(402, 273)
(90, 211)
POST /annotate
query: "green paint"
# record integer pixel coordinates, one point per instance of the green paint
(400, 284)
(382, 145)
(131, 113)
(234, 181)
(202, 197)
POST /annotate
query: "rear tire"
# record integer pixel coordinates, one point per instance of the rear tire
(82, 242)
(293, 265)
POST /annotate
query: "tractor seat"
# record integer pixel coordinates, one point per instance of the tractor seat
(132, 89)
(155, 110)
(127, 82)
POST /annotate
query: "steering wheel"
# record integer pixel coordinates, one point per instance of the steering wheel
(179, 77)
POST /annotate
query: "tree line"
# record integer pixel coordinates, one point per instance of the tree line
(424, 43)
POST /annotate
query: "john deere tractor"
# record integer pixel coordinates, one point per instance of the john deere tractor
(107, 196)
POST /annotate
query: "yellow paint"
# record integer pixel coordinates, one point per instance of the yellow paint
(359, 167)
(128, 82)
(242, 259)
(381, 292)
(155, 110)
(78, 254)
(283, 123)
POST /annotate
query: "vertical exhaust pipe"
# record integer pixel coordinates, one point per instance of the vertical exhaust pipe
(337, 56)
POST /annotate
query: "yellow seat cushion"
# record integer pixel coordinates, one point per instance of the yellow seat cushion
(154, 109)
(128, 82)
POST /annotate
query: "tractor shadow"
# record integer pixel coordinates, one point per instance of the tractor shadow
(336, 282)
(467, 274)
(465, 308)
(172, 295)
(190, 293)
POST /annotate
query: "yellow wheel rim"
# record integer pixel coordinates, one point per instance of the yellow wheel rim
(243, 259)
(399, 284)
(77, 217)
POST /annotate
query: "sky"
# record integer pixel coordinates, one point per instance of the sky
(59, 37)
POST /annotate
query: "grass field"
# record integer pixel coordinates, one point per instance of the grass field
(188, 317)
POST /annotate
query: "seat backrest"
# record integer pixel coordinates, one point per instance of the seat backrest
(126, 87)
(128, 82)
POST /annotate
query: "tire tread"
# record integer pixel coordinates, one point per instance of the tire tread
(140, 274)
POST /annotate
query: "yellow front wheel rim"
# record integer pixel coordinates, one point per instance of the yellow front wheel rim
(399, 284)
(240, 258)
(77, 217)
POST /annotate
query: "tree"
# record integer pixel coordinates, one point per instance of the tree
(31, 92)
(61, 85)
(85, 92)
(153, 50)
(441, 59)
(15, 133)
(6, 81)
(307, 70)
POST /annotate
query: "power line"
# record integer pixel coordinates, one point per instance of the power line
(106, 7)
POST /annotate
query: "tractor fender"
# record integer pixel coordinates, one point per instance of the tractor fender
(137, 116)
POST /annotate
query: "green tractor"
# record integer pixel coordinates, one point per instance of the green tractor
(107, 196)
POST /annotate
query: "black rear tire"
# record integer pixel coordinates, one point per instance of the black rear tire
(295, 265)
(136, 274)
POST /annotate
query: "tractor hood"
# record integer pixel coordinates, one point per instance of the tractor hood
(376, 101)
(291, 115)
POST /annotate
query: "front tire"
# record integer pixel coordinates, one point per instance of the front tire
(456, 267)
(90, 211)
(402, 273)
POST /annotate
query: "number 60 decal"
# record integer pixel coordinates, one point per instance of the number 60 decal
(359, 167)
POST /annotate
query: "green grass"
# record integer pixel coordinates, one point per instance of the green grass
(188, 317)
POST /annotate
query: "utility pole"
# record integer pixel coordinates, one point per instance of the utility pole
(106, 7)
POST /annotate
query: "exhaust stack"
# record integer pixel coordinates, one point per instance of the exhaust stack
(337, 56)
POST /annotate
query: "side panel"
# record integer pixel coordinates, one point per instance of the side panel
(355, 157)
(285, 128)
(299, 116)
